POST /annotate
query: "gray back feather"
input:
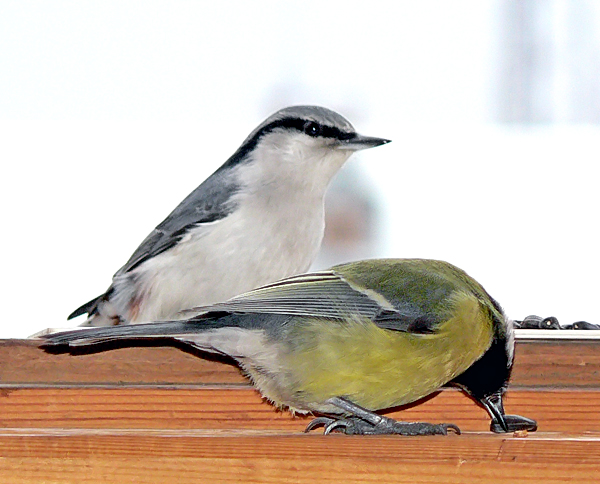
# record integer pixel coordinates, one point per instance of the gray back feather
(213, 200)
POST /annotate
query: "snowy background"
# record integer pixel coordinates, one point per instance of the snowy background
(112, 112)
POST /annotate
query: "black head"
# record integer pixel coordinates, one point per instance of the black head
(486, 380)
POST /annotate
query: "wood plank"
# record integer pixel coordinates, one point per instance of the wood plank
(155, 414)
(538, 364)
(557, 364)
(243, 408)
(476, 458)
(556, 335)
(23, 362)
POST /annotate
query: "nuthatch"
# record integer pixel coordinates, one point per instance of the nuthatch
(258, 218)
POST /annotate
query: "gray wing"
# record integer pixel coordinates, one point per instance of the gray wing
(213, 200)
(323, 294)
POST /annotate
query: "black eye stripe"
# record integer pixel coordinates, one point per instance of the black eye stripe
(285, 123)
(302, 124)
(343, 135)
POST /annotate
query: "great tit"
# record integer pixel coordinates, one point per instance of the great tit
(352, 340)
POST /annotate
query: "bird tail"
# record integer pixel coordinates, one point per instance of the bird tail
(136, 332)
(89, 307)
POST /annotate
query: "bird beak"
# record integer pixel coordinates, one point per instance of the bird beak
(502, 422)
(493, 404)
(359, 142)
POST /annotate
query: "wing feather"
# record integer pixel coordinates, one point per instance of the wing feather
(323, 294)
(212, 201)
(320, 294)
(356, 293)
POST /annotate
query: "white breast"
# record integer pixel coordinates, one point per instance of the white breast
(259, 243)
(274, 232)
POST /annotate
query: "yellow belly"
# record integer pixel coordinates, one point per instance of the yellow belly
(379, 368)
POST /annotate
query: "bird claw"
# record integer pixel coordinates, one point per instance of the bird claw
(452, 427)
(386, 426)
(317, 422)
(330, 425)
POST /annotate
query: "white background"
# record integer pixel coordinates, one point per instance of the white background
(112, 112)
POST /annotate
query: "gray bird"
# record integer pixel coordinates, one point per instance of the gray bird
(258, 218)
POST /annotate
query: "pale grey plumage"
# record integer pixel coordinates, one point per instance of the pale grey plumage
(258, 218)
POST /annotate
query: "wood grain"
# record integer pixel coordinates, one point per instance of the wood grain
(243, 408)
(162, 415)
(549, 364)
(22, 362)
(555, 363)
(476, 458)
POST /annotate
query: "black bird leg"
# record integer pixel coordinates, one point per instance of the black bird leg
(364, 422)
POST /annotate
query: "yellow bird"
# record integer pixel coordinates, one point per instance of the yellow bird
(352, 340)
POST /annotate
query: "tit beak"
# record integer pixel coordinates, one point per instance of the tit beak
(502, 422)
(359, 142)
(493, 404)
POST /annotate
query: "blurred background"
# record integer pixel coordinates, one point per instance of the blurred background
(111, 112)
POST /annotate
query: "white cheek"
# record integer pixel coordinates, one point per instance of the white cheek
(510, 340)
(293, 162)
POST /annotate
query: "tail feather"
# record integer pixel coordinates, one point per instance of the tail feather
(87, 308)
(92, 336)
(217, 333)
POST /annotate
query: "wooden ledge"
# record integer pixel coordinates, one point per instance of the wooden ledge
(233, 408)
(121, 457)
(551, 362)
(163, 415)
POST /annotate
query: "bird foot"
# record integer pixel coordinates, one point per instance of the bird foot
(353, 425)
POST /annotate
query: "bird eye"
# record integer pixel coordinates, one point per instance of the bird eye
(312, 129)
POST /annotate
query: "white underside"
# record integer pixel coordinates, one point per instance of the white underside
(226, 258)
(275, 232)
(260, 358)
